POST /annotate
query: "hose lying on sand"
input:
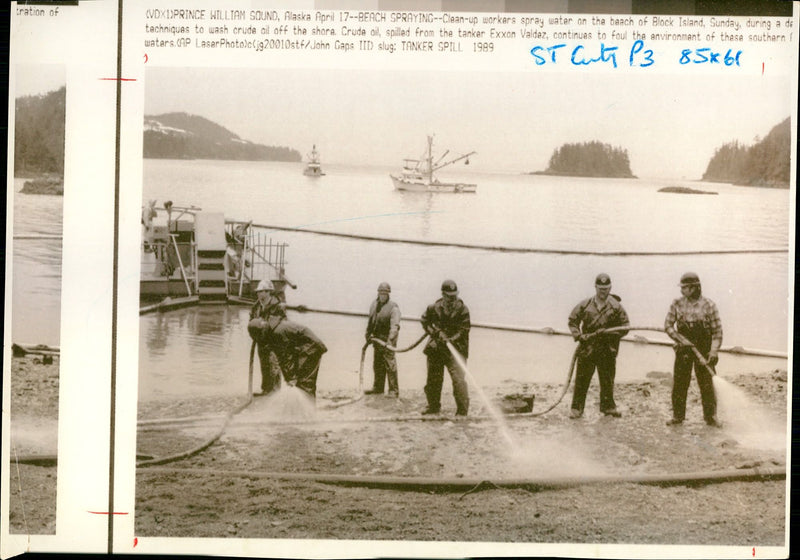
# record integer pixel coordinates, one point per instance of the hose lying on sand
(456, 484)
(218, 434)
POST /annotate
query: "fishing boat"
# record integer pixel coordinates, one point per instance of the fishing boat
(417, 175)
(201, 257)
(313, 166)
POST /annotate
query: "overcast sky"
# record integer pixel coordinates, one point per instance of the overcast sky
(669, 124)
(35, 79)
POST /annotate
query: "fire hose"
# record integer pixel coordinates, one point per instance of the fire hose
(361, 366)
(208, 443)
(458, 484)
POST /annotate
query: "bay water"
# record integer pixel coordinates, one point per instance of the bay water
(36, 265)
(205, 350)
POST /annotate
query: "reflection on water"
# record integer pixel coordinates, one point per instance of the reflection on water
(36, 278)
(198, 350)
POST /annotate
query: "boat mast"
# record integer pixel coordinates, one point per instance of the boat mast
(429, 159)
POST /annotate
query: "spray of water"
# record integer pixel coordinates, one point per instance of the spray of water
(487, 404)
(289, 403)
(750, 423)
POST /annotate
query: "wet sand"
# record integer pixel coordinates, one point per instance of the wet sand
(219, 499)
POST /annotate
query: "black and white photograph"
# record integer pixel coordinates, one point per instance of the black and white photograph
(320, 246)
(35, 304)
(400, 278)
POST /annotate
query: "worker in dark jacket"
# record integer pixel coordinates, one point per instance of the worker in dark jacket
(384, 325)
(298, 349)
(446, 320)
(598, 349)
(267, 305)
(693, 320)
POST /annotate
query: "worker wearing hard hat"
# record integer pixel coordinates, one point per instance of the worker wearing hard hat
(298, 349)
(598, 349)
(384, 325)
(446, 320)
(267, 305)
(693, 321)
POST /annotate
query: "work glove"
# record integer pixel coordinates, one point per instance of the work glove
(583, 337)
(713, 359)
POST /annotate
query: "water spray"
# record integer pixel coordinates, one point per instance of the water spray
(498, 417)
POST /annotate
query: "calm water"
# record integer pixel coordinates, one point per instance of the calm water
(206, 349)
(36, 279)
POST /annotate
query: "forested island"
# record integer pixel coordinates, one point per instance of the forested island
(764, 164)
(589, 159)
(185, 136)
(39, 141)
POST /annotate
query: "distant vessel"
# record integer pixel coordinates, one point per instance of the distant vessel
(313, 166)
(417, 174)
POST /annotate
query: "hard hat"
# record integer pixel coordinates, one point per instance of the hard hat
(602, 279)
(689, 279)
(265, 286)
(384, 287)
(449, 287)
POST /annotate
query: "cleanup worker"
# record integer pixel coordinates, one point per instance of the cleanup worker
(446, 320)
(693, 320)
(598, 349)
(299, 351)
(383, 324)
(266, 306)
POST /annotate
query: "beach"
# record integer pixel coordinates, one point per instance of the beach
(232, 489)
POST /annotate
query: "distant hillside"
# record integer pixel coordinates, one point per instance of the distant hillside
(764, 164)
(589, 159)
(184, 136)
(39, 134)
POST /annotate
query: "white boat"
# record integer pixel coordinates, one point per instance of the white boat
(313, 166)
(417, 174)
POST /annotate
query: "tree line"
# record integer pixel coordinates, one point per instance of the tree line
(764, 164)
(590, 159)
(39, 133)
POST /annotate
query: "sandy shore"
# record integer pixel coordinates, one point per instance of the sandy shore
(219, 499)
(34, 432)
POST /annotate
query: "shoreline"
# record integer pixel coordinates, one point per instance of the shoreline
(552, 445)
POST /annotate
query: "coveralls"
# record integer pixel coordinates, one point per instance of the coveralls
(697, 320)
(299, 351)
(270, 370)
(453, 323)
(599, 351)
(384, 324)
